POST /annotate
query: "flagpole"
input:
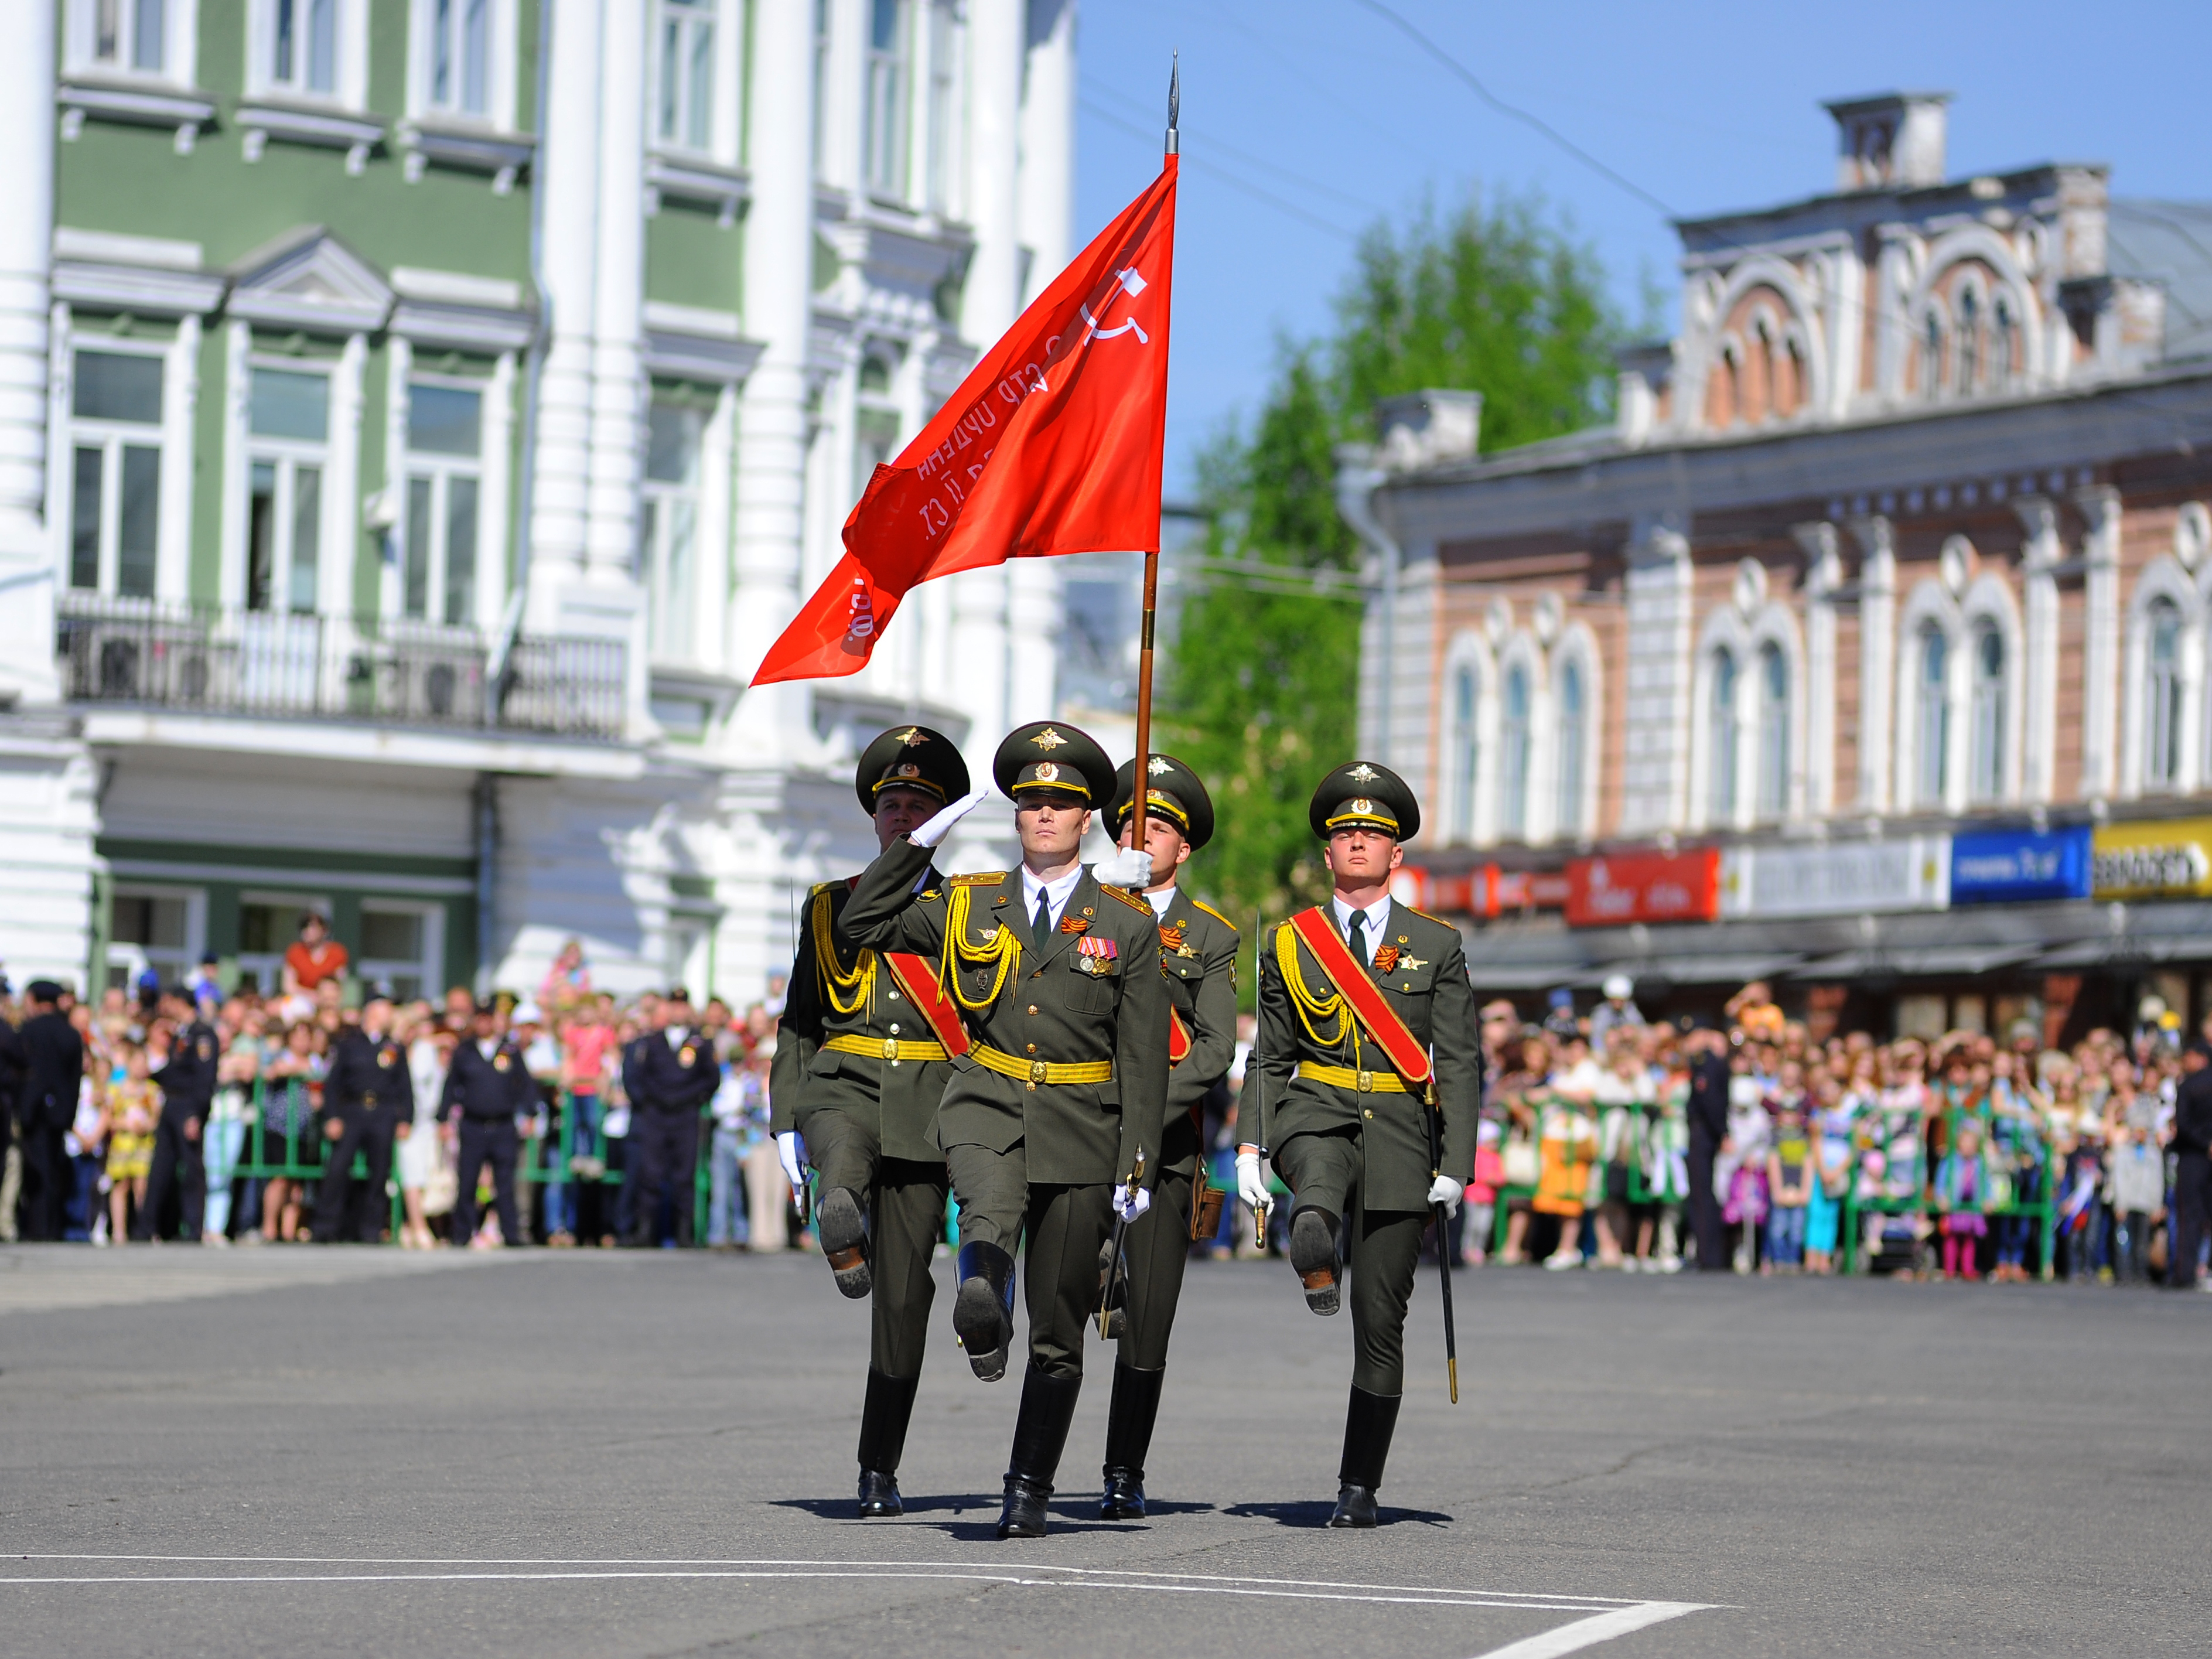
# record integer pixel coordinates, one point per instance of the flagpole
(1141, 776)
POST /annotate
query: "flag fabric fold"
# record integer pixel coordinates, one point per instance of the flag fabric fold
(1052, 445)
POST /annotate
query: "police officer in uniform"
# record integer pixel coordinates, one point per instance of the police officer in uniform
(1198, 951)
(187, 1085)
(859, 1070)
(487, 1084)
(1058, 974)
(1346, 1127)
(669, 1076)
(46, 1106)
(368, 1093)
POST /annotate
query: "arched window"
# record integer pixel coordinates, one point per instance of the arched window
(1513, 737)
(1985, 716)
(1466, 752)
(2005, 344)
(1932, 717)
(1569, 750)
(1931, 357)
(1773, 731)
(2162, 697)
(1970, 340)
(1720, 752)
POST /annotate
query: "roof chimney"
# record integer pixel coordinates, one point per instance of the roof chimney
(1894, 141)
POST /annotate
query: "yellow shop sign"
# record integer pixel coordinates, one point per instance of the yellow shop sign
(2165, 855)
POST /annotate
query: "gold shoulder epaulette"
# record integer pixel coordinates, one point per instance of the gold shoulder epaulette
(1215, 913)
(1129, 899)
(980, 879)
(1426, 916)
(822, 887)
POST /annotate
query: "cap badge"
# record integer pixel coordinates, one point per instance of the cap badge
(1048, 740)
(1363, 806)
(913, 736)
(1046, 772)
(1363, 773)
(906, 770)
(1157, 764)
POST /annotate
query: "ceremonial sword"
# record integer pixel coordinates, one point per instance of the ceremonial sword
(1433, 1116)
(1114, 1247)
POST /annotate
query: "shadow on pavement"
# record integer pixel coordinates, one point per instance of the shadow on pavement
(1317, 1513)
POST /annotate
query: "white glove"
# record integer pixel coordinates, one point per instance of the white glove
(1446, 1192)
(1129, 1205)
(939, 827)
(1129, 867)
(792, 1151)
(1252, 1181)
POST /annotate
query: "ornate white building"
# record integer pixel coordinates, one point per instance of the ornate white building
(397, 489)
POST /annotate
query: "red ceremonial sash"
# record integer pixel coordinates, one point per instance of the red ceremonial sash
(1178, 1038)
(919, 981)
(1357, 987)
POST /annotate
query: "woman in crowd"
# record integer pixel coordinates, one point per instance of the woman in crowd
(1790, 1170)
(1836, 1106)
(230, 1114)
(1521, 1092)
(1665, 1155)
(1566, 1148)
(290, 1106)
(1961, 1189)
(422, 1159)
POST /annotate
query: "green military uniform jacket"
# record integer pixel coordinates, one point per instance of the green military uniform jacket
(840, 988)
(1198, 949)
(1053, 1000)
(1428, 989)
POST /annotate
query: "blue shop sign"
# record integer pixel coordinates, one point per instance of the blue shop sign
(1989, 866)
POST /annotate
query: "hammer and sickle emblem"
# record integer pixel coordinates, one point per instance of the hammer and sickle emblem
(1133, 284)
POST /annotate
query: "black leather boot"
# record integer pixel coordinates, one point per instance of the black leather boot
(1368, 1424)
(843, 1236)
(883, 1438)
(1313, 1254)
(984, 1310)
(1040, 1435)
(1129, 1421)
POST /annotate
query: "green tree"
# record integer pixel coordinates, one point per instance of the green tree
(1259, 693)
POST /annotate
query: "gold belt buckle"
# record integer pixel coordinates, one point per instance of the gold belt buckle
(891, 1048)
(1036, 1073)
(1364, 1082)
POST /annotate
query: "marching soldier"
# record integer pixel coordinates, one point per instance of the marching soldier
(669, 1076)
(860, 1062)
(487, 1084)
(1367, 1026)
(186, 1079)
(1052, 1118)
(1197, 951)
(368, 1094)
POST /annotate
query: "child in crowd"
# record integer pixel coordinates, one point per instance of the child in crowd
(1790, 1179)
(1750, 1135)
(2136, 1184)
(1961, 1189)
(1567, 1145)
(134, 1108)
(1666, 1155)
(1835, 1109)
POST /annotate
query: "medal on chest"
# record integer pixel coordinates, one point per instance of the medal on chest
(1094, 954)
(499, 1062)
(686, 1055)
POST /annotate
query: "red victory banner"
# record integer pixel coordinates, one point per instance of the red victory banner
(1051, 445)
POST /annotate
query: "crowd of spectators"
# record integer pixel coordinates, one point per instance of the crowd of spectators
(1607, 1141)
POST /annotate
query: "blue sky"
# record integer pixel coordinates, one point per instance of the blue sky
(1323, 104)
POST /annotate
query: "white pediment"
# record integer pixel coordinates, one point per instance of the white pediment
(308, 279)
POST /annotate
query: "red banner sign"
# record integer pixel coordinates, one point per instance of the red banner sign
(1630, 887)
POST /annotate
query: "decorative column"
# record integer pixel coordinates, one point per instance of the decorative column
(26, 237)
(2039, 559)
(618, 301)
(1877, 659)
(1655, 788)
(772, 423)
(2101, 649)
(1824, 575)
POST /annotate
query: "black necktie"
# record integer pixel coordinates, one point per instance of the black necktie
(1043, 925)
(1355, 935)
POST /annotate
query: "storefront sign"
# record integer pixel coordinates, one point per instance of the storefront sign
(1630, 887)
(1486, 891)
(2169, 855)
(2000, 866)
(1911, 873)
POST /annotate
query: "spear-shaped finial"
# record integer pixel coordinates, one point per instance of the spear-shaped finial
(1175, 100)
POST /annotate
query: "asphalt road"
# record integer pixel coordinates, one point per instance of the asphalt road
(297, 1450)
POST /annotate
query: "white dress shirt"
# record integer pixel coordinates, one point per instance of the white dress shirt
(1162, 897)
(1378, 917)
(1056, 894)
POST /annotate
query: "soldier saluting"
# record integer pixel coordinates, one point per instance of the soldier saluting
(860, 1062)
(1198, 954)
(1367, 1024)
(1050, 1116)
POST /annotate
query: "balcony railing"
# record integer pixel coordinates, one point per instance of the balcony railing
(221, 660)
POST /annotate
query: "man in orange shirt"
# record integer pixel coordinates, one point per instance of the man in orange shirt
(314, 957)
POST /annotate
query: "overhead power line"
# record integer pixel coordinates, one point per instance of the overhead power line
(1278, 203)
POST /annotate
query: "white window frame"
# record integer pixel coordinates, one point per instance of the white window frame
(428, 969)
(941, 110)
(268, 967)
(112, 437)
(1773, 730)
(671, 593)
(134, 954)
(499, 113)
(179, 44)
(1988, 773)
(887, 174)
(2165, 579)
(1469, 762)
(1574, 795)
(348, 89)
(288, 455)
(725, 92)
(1518, 744)
(439, 471)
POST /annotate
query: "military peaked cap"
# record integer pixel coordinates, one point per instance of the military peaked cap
(1173, 792)
(1360, 792)
(910, 757)
(1052, 754)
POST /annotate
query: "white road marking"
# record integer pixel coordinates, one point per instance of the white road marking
(1589, 1632)
(1603, 1617)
